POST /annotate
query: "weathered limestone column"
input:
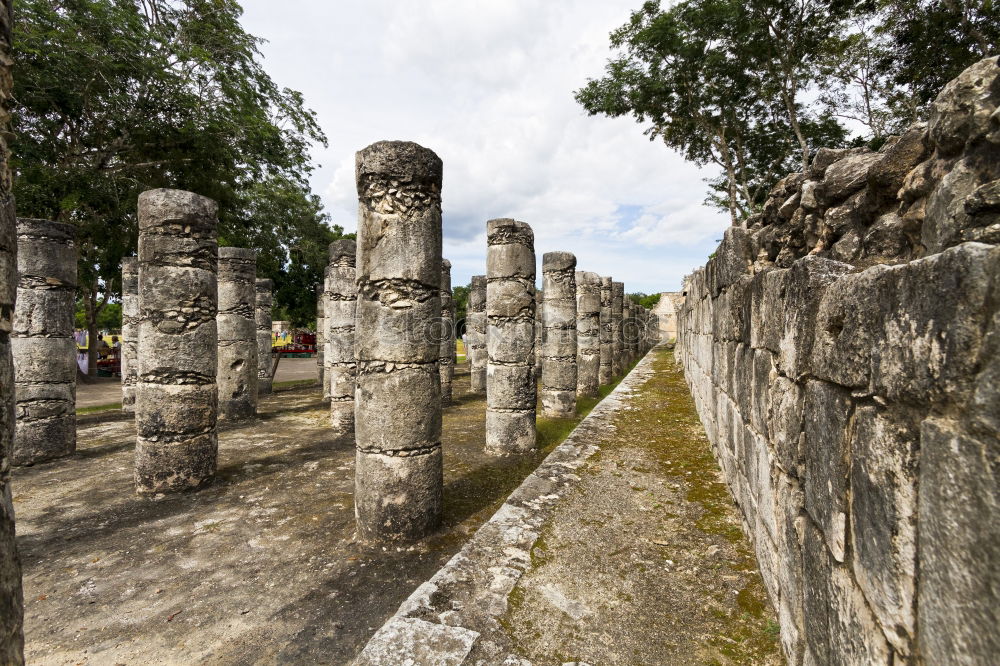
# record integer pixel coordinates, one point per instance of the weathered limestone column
(236, 321)
(626, 333)
(130, 331)
(588, 333)
(262, 314)
(176, 402)
(398, 477)
(42, 341)
(605, 375)
(447, 328)
(537, 354)
(559, 334)
(341, 295)
(11, 598)
(511, 392)
(617, 308)
(321, 343)
(475, 329)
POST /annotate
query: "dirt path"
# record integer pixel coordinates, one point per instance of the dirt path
(644, 562)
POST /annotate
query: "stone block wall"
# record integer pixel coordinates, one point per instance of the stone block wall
(843, 350)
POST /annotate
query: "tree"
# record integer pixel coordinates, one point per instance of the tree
(707, 78)
(647, 301)
(460, 296)
(155, 93)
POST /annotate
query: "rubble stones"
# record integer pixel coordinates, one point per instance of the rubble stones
(559, 348)
(42, 342)
(398, 474)
(510, 338)
(237, 363)
(176, 403)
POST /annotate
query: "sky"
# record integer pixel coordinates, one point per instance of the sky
(488, 86)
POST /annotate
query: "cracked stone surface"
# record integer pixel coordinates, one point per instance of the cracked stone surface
(237, 364)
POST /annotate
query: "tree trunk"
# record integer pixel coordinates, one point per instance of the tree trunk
(92, 309)
(727, 161)
(793, 119)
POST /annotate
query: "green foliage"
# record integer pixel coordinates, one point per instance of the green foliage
(647, 301)
(460, 295)
(753, 87)
(109, 318)
(119, 96)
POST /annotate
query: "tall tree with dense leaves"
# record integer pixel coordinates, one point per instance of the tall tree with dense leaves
(700, 73)
(118, 96)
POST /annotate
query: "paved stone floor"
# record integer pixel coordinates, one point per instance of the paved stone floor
(108, 390)
(260, 567)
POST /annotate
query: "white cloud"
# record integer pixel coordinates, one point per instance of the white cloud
(488, 86)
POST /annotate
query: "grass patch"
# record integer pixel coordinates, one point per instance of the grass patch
(98, 408)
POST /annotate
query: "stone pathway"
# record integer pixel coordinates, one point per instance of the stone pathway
(622, 548)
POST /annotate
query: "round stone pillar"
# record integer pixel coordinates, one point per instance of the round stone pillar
(341, 295)
(263, 301)
(511, 392)
(536, 354)
(321, 344)
(475, 333)
(237, 365)
(617, 308)
(605, 374)
(588, 333)
(559, 334)
(398, 475)
(176, 404)
(42, 342)
(447, 358)
(130, 331)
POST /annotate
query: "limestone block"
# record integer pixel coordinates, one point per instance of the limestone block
(961, 113)
(606, 334)
(559, 334)
(826, 414)
(759, 376)
(130, 331)
(767, 310)
(476, 334)
(397, 494)
(807, 280)
(588, 333)
(405, 319)
(896, 160)
(446, 361)
(958, 545)
(883, 518)
(947, 309)
(850, 324)
(784, 422)
(845, 176)
(410, 394)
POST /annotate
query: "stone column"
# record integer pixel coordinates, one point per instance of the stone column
(398, 476)
(237, 365)
(11, 598)
(176, 401)
(262, 314)
(42, 342)
(511, 391)
(341, 295)
(537, 353)
(559, 334)
(447, 328)
(130, 331)
(321, 343)
(617, 304)
(628, 332)
(588, 333)
(475, 329)
(606, 375)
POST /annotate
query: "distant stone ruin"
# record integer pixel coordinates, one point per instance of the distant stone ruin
(843, 353)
